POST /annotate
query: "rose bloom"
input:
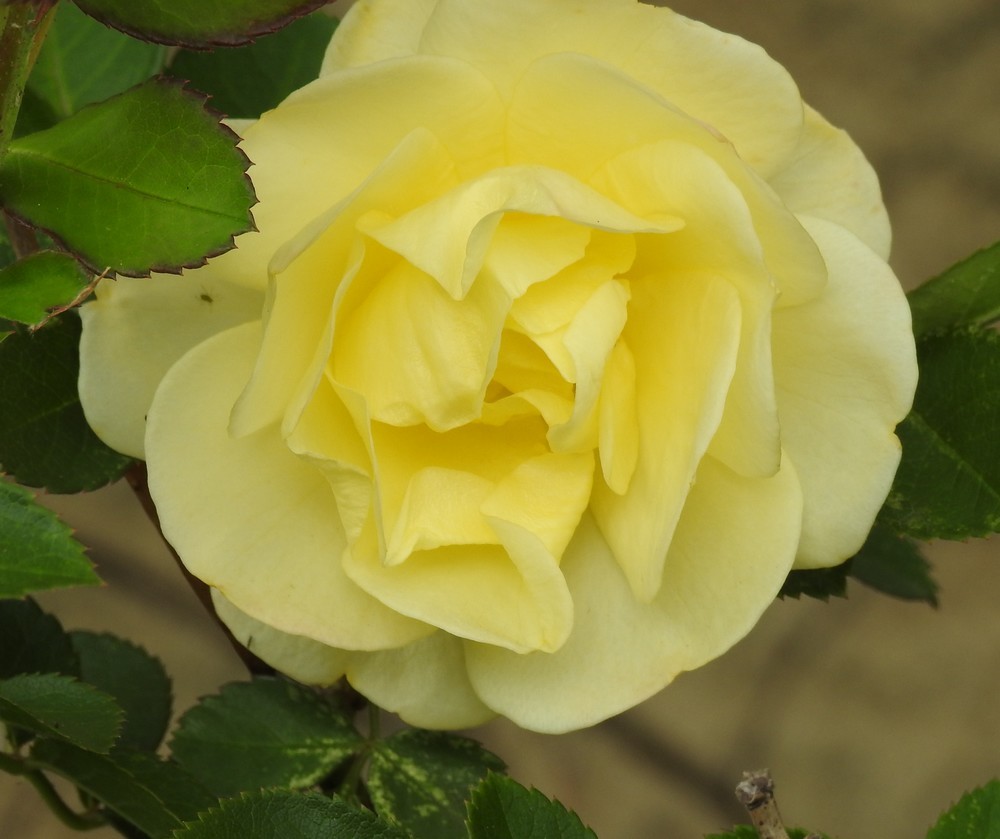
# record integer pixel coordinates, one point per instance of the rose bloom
(566, 334)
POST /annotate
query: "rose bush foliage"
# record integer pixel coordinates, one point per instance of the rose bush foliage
(566, 333)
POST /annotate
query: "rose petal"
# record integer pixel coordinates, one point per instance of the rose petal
(731, 552)
(829, 177)
(717, 78)
(450, 237)
(279, 560)
(319, 267)
(425, 682)
(683, 332)
(135, 329)
(304, 659)
(449, 348)
(375, 31)
(846, 370)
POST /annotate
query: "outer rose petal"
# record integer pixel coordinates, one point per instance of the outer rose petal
(846, 370)
(828, 177)
(304, 659)
(135, 329)
(425, 682)
(732, 550)
(249, 517)
(718, 78)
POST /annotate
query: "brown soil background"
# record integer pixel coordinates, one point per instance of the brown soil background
(872, 714)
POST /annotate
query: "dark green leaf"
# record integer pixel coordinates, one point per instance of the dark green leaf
(195, 22)
(246, 81)
(967, 294)
(42, 281)
(894, 565)
(134, 678)
(268, 732)
(422, 779)
(280, 814)
(948, 484)
(148, 180)
(745, 831)
(111, 62)
(33, 641)
(44, 439)
(59, 706)
(37, 551)
(975, 816)
(502, 809)
(821, 583)
(154, 795)
(7, 255)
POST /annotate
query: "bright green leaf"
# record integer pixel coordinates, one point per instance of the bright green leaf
(268, 732)
(422, 779)
(148, 180)
(134, 678)
(967, 294)
(33, 641)
(246, 81)
(59, 706)
(195, 22)
(502, 809)
(948, 484)
(38, 283)
(280, 814)
(154, 795)
(113, 61)
(975, 816)
(44, 439)
(37, 551)
(894, 565)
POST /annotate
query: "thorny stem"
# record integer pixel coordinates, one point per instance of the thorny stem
(60, 809)
(22, 30)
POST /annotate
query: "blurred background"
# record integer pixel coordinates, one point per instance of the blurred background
(872, 714)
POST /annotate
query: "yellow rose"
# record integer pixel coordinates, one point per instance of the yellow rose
(568, 330)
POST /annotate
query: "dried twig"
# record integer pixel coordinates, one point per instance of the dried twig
(756, 793)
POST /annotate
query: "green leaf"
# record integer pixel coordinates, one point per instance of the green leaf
(148, 180)
(820, 583)
(967, 294)
(948, 483)
(40, 282)
(894, 565)
(59, 706)
(137, 680)
(113, 61)
(975, 816)
(268, 732)
(44, 438)
(280, 814)
(33, 641)
(154, 795)
(37, 551)
(195, 22)
(422, 779)
(502, 809)
(246, 81)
